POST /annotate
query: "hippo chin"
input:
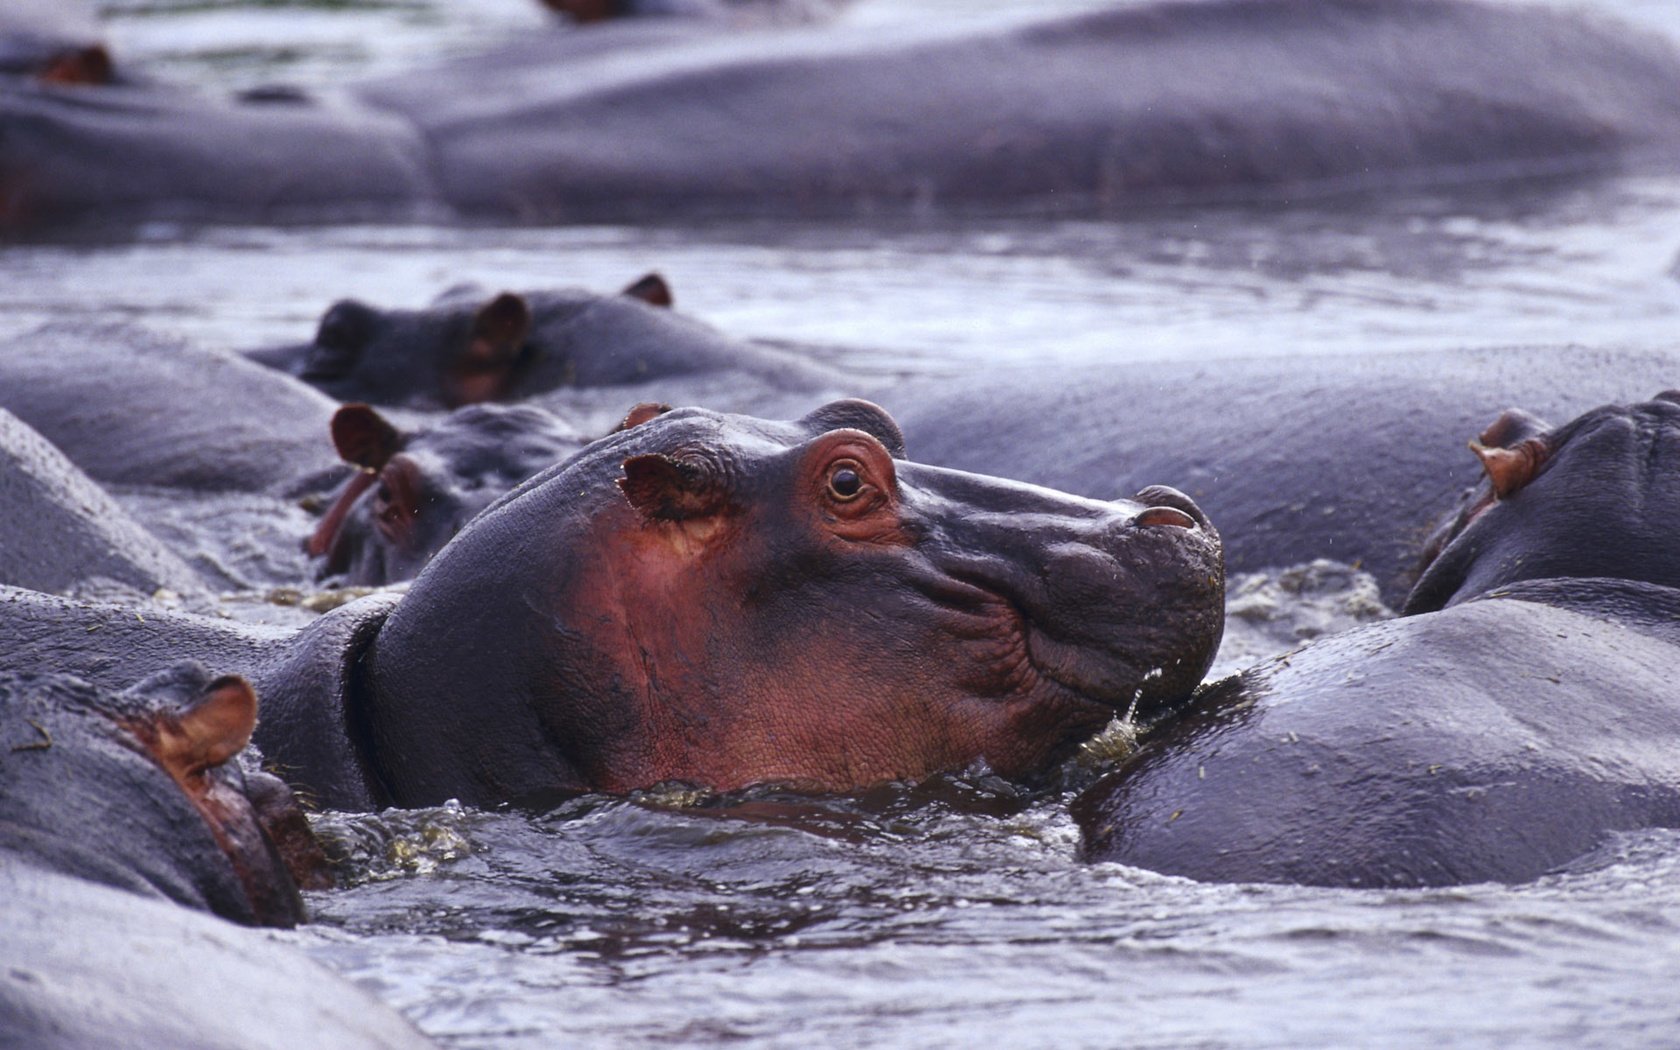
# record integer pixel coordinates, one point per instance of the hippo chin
(1524, 709)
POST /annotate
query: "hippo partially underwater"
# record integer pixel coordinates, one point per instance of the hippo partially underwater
(127, 821)
(718, 600)
(1526, 707)
(1130, 106)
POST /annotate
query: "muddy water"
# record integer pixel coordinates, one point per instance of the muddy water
(955, 913)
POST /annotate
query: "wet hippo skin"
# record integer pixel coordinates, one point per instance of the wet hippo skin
(1348, 457)
(718, 600)
(1523, 710)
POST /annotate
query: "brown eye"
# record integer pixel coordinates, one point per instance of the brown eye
(844, 481)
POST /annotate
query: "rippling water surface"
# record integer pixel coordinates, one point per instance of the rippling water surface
(957, 913)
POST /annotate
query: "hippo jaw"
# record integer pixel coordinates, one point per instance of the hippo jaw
(725, 602)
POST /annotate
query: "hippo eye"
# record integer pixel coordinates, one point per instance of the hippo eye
(844, 481)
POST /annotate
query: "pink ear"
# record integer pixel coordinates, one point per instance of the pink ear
(1509, 469)
(666, 489)
(652, 290)
(499, 330)
(363, 437)
(210, 730)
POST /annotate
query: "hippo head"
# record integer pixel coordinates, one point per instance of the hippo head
(146, 789)
(1597, 496)
(464, 349)
(415, 491)
(725, 601)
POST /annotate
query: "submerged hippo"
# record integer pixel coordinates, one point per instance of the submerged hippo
(470, 347)
(1125, 106)
(59, 531)
(1524, 709)
(131, 407)
(415, 491)
(143, 790)
(1340, 459)
(128, 820)
(723, 601)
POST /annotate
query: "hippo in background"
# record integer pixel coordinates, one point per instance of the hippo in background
(1326, 457)
(60, 532)
(735, 12)
(131, 407)
(1131, 106)
(470, 347)
(415, 490)
(1128, 107)
(131, 825)
(721, 601)
(1522, 710)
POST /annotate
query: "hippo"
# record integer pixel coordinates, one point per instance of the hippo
(1117, 109)
(470, 347)
(1125, 107)
(60, 531)
(136, 827)
(592, 12)
(123, 152)
(1522, 710)
(415, 491)
(142, 790)
(131, 407)
(1339, 458)
(721, 601)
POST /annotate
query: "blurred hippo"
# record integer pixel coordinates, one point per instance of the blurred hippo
(470, 347)
(60, 531)
(735, 12)
(414, 491)
(129, 820)
(126, 152)
(134, 408)
(1525, 707)
(1128, 106)
(722, 601)
(1338, 456)
(1119, 108)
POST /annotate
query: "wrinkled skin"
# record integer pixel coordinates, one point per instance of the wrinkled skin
(1351, 458)
(1523, 710)
(471, 347)
(144, 791)
(726, 601)
(415, 491)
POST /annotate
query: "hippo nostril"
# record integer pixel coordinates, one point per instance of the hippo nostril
(1164, 516)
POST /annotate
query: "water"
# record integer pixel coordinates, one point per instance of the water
(955, 913)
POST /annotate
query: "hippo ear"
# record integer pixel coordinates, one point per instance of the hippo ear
(363, 437)
(1509, 469)
(652, 290)
(666, 489)
(641, 414)
(89, 65)
(210, 730)
(1512, 426)
(499, 330)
